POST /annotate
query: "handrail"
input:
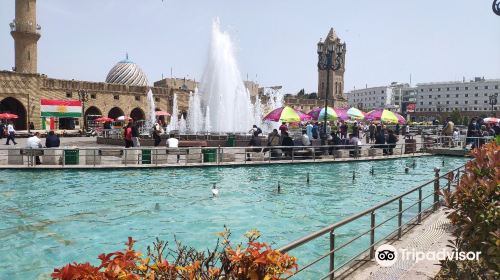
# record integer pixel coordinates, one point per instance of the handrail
(331, 228)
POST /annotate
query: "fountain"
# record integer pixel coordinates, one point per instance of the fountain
(221, 89)
(195, 119)
(182, 125)
(207, 120)
(151, 119)
(174, 119)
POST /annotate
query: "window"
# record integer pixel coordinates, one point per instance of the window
(439, 89)
(430, 89)
(439, 103)
(116, 97)
(457, 88)
(496, 87)
(466, 95)
(456, 102)
(476, 94)
(430, 96)
(439, 95)
(456, 95)
(466, 88)
(465, 109)
(422, 90)
(137, 98)
(475, 101)
(475, 87)
(485, 94)
(447, 109)
(466, 101)
(448, 95)
(382, 91)
(421, 103)
(69, 95)
(447, 89)
(486, 102)
(430, 103)
(93, 96)
(485, 87)
(447, 102)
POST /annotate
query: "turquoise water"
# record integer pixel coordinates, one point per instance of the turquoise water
(49, 218)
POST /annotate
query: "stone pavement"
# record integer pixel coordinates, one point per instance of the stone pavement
(431, 236)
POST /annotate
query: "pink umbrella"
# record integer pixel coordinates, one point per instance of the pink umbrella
(303, 116)
(341, 114)
(162, 113)
(385, 116)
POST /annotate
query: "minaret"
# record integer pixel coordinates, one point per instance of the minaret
(26, 33)
(336, 80)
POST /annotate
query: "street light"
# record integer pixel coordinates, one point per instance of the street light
(329, 59)
(493, 102)
(83, 96)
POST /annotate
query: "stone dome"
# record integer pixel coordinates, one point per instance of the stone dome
(127, 72)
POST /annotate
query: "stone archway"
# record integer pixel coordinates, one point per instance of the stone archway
(137, 114)
(115, 112)
(14, 106)
(92, 110)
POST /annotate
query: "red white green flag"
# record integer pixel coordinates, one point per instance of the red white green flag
(61, 108)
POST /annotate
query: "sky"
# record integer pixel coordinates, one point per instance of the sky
(275, 40)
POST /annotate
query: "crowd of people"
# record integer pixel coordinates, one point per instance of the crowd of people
(342, 135)
(478, 131)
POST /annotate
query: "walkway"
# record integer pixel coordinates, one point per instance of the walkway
(431, 236)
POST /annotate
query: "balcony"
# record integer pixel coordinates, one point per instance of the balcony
(26, 27)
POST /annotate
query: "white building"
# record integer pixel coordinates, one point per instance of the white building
(469, 98)
(394, 97)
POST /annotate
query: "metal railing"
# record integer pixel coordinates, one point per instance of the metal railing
(371, 229)
(162, 156)
(462, 141)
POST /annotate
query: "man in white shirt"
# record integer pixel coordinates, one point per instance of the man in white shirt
(173, 145)
(11, 134)
(305, 139)
(34, 142)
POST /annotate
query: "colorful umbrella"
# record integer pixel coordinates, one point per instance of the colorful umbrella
(385, 116)
(162, 113)
(283, 114)
(303, 116)
(123, 118)
(491, 120)
(332, 114)
(8, 116)
(355, 113)
(104, 119)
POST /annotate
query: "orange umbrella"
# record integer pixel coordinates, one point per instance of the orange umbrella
(8, 116)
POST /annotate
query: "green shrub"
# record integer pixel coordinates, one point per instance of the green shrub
(475, 214)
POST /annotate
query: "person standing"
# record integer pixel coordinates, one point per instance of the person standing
(371, 129)
(2, 129)
(283, 128)
(157, 131)
(11, 134)
(343, 130)
(309, 130)
(355, 130)
(135, 135)
(391, 141)
(397, 129)
(128, 136)
(315, 130)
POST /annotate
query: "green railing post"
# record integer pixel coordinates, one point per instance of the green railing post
(400, 217)
(372, 235)
(436, 189)
(332, 254)
(419, 205)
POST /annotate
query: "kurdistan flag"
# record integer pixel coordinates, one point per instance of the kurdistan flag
(61, 108)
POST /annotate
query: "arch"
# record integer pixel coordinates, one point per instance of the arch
(14, 106)
(93, 110)
(137, 114)
(115, 112)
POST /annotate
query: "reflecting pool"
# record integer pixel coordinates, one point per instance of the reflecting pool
(49, 218)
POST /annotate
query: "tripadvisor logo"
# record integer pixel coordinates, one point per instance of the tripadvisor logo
(387, 255)
(496, 7)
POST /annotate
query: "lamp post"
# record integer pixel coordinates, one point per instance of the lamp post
(329, 59)
(493, 102)
(83, 96)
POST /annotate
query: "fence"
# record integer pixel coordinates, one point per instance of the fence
(150, 157)
(371, 229)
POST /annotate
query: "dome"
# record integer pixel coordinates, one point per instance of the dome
(127, 72)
